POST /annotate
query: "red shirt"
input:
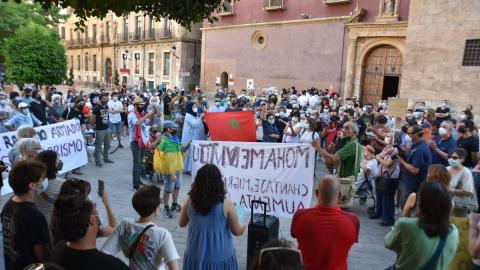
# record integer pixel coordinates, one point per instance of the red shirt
(325, 236)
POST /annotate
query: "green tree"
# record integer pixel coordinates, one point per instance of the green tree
(116, 78)
(70, 77)
(35, 55)
(13, 15)
(184, 12)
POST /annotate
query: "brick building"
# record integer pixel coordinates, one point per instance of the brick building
(350, 45)
(136, 46)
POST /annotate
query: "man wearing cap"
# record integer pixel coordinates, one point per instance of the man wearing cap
(25, 118)
(102, 131)
(171, 165)
(138, 137)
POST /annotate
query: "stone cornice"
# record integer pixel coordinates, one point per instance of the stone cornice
(384, 29)
(304, 21)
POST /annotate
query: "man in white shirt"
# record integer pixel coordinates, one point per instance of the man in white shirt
(115, 107)
(148, 246)
(303, 99)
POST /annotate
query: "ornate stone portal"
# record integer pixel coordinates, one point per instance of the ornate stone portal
(363, 38)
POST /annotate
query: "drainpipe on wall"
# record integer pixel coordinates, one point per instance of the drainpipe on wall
(341, 61)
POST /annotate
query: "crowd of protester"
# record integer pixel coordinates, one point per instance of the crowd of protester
(421, 169)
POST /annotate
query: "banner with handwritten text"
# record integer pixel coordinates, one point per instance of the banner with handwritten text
(65, 138)
(279, 174)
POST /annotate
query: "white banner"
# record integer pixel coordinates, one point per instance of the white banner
(279, 174)
(65, 138)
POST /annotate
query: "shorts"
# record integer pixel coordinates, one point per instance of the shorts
(114, 127)
(170, 185)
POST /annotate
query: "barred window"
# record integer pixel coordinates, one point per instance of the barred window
(471, 55)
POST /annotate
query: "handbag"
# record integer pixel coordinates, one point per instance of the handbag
(467, 203)
(347, 185)
(382, 181)
(131, 249)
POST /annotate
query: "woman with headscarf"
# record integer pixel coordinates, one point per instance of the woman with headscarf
(192, 130)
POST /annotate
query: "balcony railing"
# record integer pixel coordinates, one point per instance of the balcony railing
(104, 39)
(273, 4)
(136, 36)
(164, 33)
(225, 8)
(69, 42)
(123, 37)
(93, 41)
(150, 34)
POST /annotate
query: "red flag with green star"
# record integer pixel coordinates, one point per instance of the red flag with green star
(232, 126)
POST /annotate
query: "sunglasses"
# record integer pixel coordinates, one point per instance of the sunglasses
(283, 249)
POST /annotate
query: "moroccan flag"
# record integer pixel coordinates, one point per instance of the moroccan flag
(232, 126)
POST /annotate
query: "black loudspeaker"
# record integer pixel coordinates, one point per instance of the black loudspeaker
(261, 229)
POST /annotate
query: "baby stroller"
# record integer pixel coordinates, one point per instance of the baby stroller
(364, 189)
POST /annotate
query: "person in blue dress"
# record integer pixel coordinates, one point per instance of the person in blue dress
(212, 219)
(193, 129)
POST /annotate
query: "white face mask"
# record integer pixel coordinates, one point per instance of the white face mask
(294, 119)
(442, 131)
(176, 102)
(463, 116)
(388, 140)
(306, 125)
(271, 121)
(194, 109)
(25, 111)
(115, 98)
(217, 104)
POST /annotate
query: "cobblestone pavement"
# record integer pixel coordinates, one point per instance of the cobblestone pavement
(369, 253)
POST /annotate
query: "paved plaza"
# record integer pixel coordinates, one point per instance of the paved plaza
(369, 253)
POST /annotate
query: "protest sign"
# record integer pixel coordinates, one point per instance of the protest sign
(279, 174)
(397, 107)
(65, 138)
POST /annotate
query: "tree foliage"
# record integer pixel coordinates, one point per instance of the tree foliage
(70, 77)
(116, 78)
(35, 55)
(13, 15)
(185, 12)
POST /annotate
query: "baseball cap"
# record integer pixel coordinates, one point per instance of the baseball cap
(138, 100)
(170, 124)
(22, 105)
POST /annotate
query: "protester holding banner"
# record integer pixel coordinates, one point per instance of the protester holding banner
(28, 148)
(22, 132)
(212, 219)
(193, 129)
(271, 133)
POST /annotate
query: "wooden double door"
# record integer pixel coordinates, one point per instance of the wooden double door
(382, 72)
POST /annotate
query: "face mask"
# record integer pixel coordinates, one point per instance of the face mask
(217, 104)
(281, 114)
(44, 186)
(454, 162)
(104, 102)
(173, 132)
(306, 125)
(302, 115)
(444, 105)
(463, 116)
(349, 106)
(57, 102)
(194, 109)
(234, 103)
(140, 109)
(325, 110)
(25, 111)
(388, 140)
(461, 129)
(60, 165)
(294, 119)
(442, 131)
(176, 102)
(409, 115)
(369, 110)
(271, 121)
(115, 98)
(341, 113)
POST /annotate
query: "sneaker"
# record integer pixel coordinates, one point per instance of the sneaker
(120, 145)
(176, 207)
(167, 213)
(108, 161)
(99, 164)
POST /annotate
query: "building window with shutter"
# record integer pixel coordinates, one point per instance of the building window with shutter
(79, 66)
(151, 63)
(471, 54)
(166, 63)
(137, 63)
(94, 59)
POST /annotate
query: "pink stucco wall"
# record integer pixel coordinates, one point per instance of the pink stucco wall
(301, 54)
(248, 11)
